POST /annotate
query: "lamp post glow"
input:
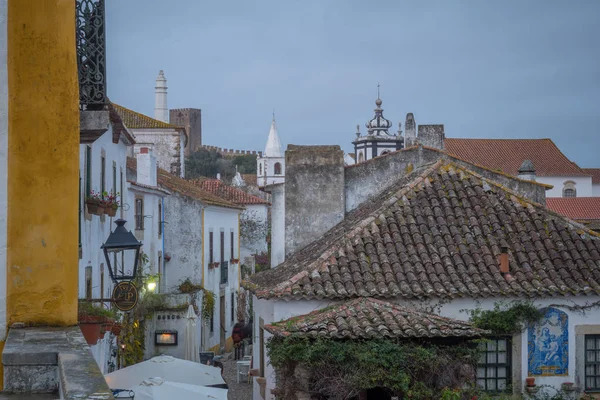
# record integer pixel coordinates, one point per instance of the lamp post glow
(121, 241)
(151, 286)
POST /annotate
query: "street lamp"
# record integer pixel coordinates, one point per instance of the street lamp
(124, 242)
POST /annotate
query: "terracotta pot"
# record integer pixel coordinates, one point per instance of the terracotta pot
(530, 381)
(110, 211)
(93, 206)
(91, 332)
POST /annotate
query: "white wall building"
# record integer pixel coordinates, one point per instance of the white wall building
(201, 243)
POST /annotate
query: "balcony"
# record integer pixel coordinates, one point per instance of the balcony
(224, 272)
(91, 65)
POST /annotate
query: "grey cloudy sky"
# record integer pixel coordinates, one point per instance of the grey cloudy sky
(485, 69)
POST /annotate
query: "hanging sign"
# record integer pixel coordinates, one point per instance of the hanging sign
(125, 296)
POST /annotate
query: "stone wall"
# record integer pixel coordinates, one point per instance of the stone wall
(314, 193)
(191, 120)
(166, 147)
(364, 180)
(182, 240)
(432, 136)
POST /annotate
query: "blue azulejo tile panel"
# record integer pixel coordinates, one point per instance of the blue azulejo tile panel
(548, 345)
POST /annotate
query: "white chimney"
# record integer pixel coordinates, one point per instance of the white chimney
(161, 111)
(146, 167)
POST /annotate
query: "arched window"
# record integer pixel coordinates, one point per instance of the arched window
(569, 189)
(260, 169)
(277, 168)
(361, 157)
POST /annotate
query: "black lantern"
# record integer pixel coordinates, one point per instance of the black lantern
(125, 250)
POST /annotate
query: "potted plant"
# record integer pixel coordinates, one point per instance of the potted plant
(111, 203)
(116, 329)
(93, 320)
(234, 260)
(94, 203)
(530, 381)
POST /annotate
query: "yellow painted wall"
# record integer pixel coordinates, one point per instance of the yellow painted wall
(43, 148)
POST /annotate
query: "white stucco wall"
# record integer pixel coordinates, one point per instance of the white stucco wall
(3, 163)
(96, 229)
(268, 177)
(102, 352)
(215, 220)
(277, 224)
(583, 185)
(596, 190)
(183, 240)
(258, 213)
(271, 311)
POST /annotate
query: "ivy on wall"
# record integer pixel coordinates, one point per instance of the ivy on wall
(506, 318)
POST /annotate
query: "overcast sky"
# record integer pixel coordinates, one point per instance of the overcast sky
(484, 69)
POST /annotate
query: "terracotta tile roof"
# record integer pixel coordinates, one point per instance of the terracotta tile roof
(176, 184)
(119, 127)
(595, 173)
(227, 192)
(368, 318)
(577, 208)
(136, 120)
(437, 233)
(507, 155)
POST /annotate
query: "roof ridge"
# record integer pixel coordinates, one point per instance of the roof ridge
(144, 116)
(526, 200)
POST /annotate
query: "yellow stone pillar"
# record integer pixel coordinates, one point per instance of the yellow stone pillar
(43, 171)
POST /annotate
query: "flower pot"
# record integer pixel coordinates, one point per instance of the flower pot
(530, 382)
(110, 211)
(94, 207)
(91, 332)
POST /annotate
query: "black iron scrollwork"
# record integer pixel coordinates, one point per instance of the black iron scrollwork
(91, 53)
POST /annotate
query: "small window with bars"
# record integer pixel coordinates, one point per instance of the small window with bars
(231, 245)
(211, 254)
(592, 363)
(494, 366)
(160, 222)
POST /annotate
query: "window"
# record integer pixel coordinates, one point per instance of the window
(361, 157)
(260, 169)
(88, 171)
(211, 255)
(592, 363)
(88, 282)
(231, 245)
(121, 189)
(102, 280)
(160, 226)
(569, 189)
(232, 307)
(212, 324)
(139, 214)
(114, 177)
(102, 175)
(222, 249)
(277, 168)
(494, 366)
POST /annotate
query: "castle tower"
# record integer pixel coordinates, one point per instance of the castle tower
(161, 111)
(378, 140)
(191, 120)
(271, 166)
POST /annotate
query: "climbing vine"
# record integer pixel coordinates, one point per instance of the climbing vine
(342, 369)
(505, 318)
(208, 298)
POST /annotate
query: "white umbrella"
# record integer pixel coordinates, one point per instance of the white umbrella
(167, 367)
(190, 347)
(159, 389)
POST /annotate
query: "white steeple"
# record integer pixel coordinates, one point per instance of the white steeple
(273, 147)
(161, 111)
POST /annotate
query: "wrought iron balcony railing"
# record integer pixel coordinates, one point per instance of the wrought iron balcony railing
(91, 53)
(224, 272)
